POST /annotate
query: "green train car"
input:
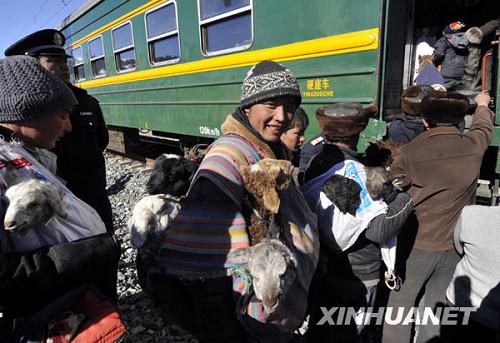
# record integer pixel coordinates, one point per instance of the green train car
(175, 67)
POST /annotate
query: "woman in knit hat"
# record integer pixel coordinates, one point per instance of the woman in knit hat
(193, 282)
(33, 106)
(34, 114)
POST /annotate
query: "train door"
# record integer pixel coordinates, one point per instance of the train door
(409, 22)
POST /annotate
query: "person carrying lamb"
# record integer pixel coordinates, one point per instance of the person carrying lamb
(200, 288)
(41, 262)
(353, 222)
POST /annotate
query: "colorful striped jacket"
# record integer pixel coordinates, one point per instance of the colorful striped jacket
(201, 237)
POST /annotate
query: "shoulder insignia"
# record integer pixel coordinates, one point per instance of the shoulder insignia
(317, 140)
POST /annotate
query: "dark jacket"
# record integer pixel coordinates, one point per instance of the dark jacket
(451, 51)
(441, 167)
(80, 160)
(404, 128)
(428, 76)
(308, 151)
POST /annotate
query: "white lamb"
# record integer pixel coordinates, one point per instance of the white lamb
(31, 203)
(272, 267)
(151, 214)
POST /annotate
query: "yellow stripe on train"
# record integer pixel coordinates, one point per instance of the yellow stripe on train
(332, 45)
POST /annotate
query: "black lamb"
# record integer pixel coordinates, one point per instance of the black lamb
(343, 192)
(172, 175)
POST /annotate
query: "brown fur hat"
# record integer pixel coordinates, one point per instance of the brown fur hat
(265, 178)
(444, 108)
(411, 99)
(344, 119)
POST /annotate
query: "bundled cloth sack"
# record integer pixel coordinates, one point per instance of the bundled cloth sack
(340, 230)
(81, 220)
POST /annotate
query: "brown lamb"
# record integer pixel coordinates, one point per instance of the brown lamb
(264, 180)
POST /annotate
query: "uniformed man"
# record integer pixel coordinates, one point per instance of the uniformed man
(338, 138)
(80, 160)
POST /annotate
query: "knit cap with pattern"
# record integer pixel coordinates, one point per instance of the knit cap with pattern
(266, 80)
(28, 91)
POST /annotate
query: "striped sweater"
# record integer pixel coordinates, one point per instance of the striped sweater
(203, 234)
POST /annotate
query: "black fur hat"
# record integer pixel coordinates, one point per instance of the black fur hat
(444, 108)
(411, 99)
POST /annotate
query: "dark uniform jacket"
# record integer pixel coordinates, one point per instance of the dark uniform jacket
(441, 167)
(80, 160)
(308, 152)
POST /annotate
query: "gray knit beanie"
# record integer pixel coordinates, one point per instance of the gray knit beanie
(266, 80)
(28, 91)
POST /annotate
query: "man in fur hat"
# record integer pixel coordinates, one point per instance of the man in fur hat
(340, 125)
(409, 124)
(440, 169)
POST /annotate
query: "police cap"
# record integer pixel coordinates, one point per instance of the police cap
(48, 42)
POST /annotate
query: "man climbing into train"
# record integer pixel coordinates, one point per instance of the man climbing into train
(439, 168)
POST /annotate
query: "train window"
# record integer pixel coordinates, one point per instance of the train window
(162, 34)
(225, 25)
(97, 61)
(123, 47)
(212, 8)
(78, 66)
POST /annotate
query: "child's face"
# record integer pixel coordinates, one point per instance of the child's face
(293, 138)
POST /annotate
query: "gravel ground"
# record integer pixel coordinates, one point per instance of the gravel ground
(126, 181)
